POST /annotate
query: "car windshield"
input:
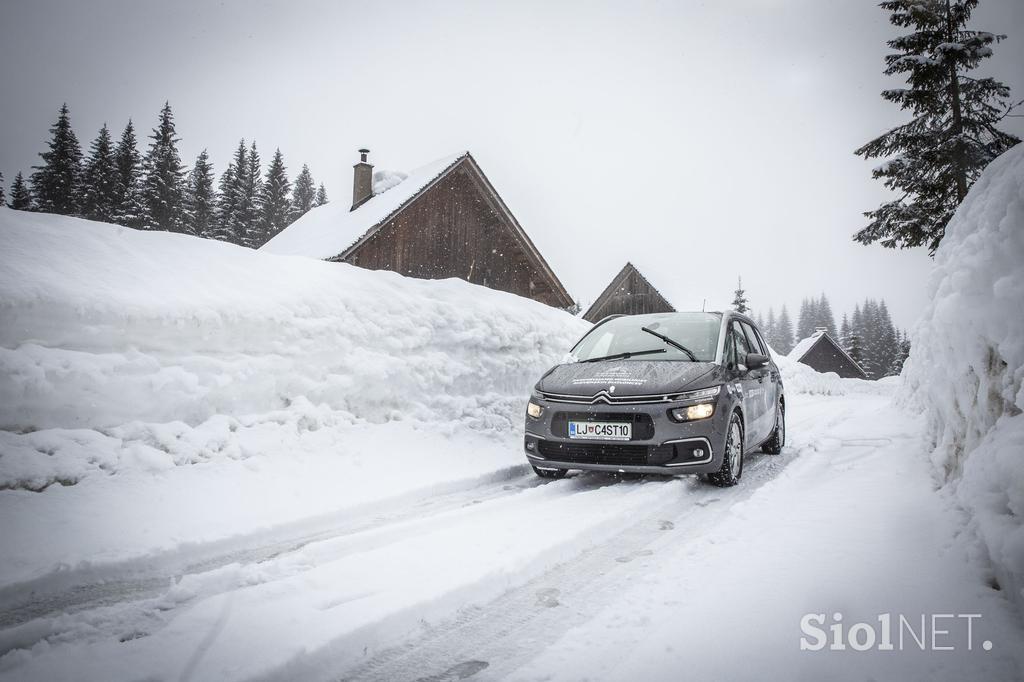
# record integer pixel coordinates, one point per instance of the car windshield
(697, 332)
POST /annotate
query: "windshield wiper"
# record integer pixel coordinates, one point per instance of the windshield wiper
(671, 343)
(620, 356)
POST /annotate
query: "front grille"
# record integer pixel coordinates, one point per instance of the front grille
(609, 399)
(605, 453)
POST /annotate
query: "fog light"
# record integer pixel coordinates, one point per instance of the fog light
(698, 453)
(534, 410)
(530, 445)
(701, 411)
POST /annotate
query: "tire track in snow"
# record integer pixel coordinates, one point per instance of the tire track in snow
(525, 618)
(70, 591)
(491, 640)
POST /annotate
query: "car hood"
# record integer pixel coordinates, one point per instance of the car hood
(628, 377)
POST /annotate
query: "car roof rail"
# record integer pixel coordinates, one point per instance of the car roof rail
(606, 318)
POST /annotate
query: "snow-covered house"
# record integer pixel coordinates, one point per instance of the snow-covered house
(820, 352)
(629, 293)
(442, 220)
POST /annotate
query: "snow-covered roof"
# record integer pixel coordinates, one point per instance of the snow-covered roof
(330, 230)
(801, 348)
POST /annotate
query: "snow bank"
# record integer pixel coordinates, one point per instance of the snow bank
(801, 378)
(967, 364)
(122, 349)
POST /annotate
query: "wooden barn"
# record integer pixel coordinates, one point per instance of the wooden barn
(821, 352)
(442, 220)
(629, 293)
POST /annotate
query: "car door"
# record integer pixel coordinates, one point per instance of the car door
(766, 386)
(751, 389)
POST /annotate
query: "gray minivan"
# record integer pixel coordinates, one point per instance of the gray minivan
(665, 393)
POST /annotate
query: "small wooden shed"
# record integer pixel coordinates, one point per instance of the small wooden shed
(629, 293)
(821, 352)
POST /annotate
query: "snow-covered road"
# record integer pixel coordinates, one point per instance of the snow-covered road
(584, 578)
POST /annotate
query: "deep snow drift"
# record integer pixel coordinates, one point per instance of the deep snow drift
(221, 390)
(967, 364)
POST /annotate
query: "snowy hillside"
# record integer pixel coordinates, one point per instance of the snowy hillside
(967, 365)
(266, 388)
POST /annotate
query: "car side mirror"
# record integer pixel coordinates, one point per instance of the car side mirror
(756, 360)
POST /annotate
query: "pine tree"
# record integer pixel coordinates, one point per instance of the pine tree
(823, 317)
(55, 184)
(808, 321)
(739, 301)
(770, 329)
(3, 197)
(855, 351)
(844, 333)
(99, 196)
(229, 228)
(321, 196)
(163, 184)
(275, 207)
(200, 203)
(952, 136)
(303, 195)
(128, 209)
(784, 333)
(247, 212)
(888, 342)
(21, 198)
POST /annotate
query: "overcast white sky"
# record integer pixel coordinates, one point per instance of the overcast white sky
(701, 140)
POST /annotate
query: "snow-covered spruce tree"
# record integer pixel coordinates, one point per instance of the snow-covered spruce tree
(855, 351)
(21, 198)
(128, 209)
(824, 317)
(304, 193)
(739, 299)
(200, 203)
(888, 341)
(55, 184)
(163, 184)
(275, 207)
(784, 333)
(936, 156)
(769, 327)
(228, 226)
(808, 321)
(321, 196)
(247, 212)
(844, 333)
(3, 196)
(99, 190)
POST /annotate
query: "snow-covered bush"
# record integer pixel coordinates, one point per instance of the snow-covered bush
(125, 349)
(966, 369)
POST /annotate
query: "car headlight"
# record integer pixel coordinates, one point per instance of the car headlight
(701, 394)
(693, 412)
(534, 410)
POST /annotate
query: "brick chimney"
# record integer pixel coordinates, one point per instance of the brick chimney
(362, 181)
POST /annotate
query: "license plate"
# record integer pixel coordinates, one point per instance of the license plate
(601, 430)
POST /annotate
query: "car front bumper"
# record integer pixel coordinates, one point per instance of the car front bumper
(659, 444)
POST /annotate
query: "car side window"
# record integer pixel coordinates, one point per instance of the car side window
(752, 341)
(742, 347)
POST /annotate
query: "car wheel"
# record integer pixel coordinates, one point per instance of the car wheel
(550, 473)
(732, 462)
(777, 440)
